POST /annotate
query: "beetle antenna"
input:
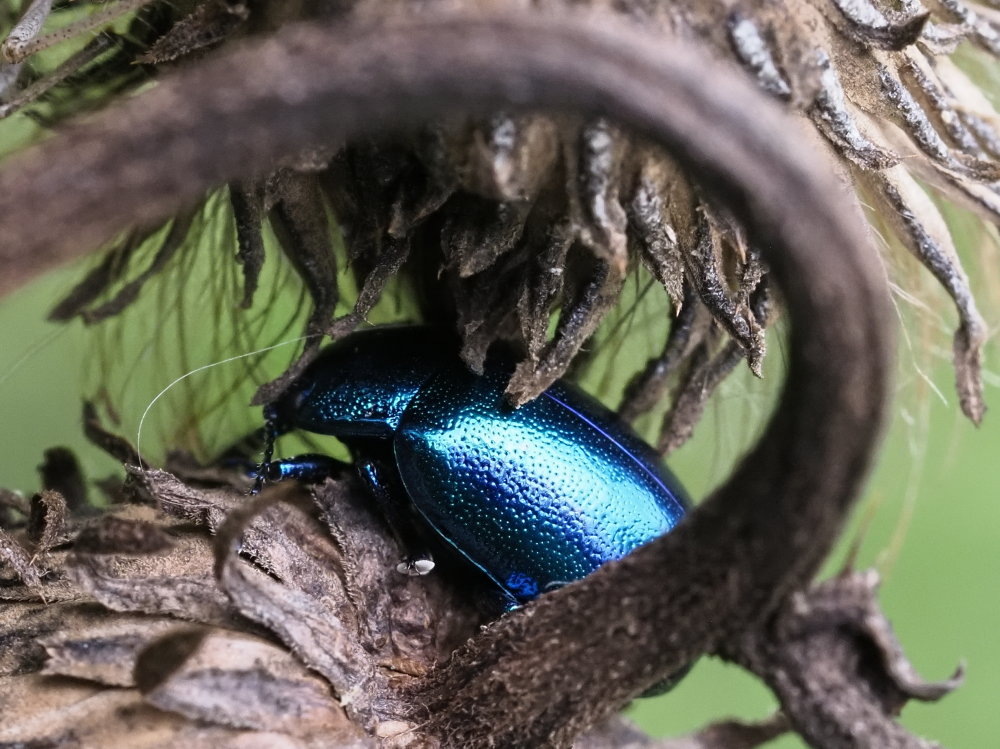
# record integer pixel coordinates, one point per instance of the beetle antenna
(142, 419)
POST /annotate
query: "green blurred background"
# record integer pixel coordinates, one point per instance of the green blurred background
(929, 519)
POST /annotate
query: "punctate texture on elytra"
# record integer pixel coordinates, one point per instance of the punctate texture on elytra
(535, 497)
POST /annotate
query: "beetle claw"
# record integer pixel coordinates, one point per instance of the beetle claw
(415, 566)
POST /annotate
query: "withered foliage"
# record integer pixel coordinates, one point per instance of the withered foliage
(129, 608)
(187, 615)
(512, 225)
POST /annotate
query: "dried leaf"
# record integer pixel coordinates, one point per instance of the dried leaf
(319, 628)
(117, 535)
(647, 387)
(16, 557)
(236, 680)
(177, 582)
(594, 186)
(509, 157)
(591, 298)
(46, 527)
(101, 648)
(114, 445)
(299, 220)
(923, 231)
(206, 26)
(474, 245)
(247, 201)
(61, 473)
(38, 712)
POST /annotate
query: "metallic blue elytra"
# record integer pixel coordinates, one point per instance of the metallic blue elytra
(534, 497)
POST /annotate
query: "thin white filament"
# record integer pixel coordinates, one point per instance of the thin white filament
(33, 349)
(142, 419)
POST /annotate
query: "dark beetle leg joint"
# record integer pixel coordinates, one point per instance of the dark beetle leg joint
(414, 566)
(381, 477)
(311, 468)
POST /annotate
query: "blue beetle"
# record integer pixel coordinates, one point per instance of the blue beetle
(535, 497)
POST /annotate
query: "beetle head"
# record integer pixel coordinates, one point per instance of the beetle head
(361, 385)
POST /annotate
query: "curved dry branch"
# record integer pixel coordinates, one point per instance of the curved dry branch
(569, 659)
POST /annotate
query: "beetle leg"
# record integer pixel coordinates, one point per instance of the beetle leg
(311, 468)
(510, 603)
(382, 479)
